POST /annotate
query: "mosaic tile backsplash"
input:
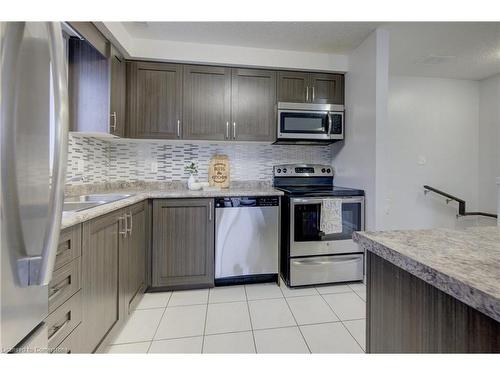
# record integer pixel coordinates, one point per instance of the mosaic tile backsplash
(110, 160)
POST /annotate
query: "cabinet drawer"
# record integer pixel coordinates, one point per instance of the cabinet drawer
(326, 269)
(64, 320)
(65, 282)
(72, 343)
(70, 246)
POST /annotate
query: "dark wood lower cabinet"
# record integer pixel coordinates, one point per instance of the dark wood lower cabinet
(134, 255)
(114, 257)
(100, 278)
(407, 315)
(183, 243)
(114, 262)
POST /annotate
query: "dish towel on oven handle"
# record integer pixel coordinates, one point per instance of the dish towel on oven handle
(331, 216)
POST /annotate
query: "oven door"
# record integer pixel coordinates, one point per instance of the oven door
(300, 124)
(305, 234)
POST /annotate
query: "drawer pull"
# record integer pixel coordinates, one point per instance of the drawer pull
(57, 289)
(59, 327)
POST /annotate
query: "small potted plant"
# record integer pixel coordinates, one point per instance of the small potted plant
(192, 169)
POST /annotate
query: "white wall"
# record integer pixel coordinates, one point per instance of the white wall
(355, 159)
(432, 139)
(164, 50)
(489, 142)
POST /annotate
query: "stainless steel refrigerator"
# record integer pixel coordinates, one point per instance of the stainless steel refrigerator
(34, 132)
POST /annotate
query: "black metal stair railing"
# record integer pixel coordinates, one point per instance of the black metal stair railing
(461, 203)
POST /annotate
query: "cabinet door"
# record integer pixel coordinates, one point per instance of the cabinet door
(327, 88)
(207, 101)
(155, 100)
(100, 280)
(133, 266)
(183, 243)
(253, 110)
(293, 87)
(117, 93)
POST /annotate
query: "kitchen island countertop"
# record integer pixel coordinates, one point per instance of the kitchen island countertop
(462, 263)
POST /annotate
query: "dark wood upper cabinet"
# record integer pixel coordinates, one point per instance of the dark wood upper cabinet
(253, 105)
(327, 88)
(117, 94)
(155, 100)
(303, 87)
(207, 102)
(293, 87)
(88, 76)
(183, 243)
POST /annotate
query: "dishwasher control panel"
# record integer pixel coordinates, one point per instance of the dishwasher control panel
(228, 202)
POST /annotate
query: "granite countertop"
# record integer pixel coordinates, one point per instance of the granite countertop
(142, 191)
(462, 263)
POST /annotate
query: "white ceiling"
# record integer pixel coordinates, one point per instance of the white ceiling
(471, 50)
(322, 37)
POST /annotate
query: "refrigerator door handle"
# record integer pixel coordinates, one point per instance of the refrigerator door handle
(33, 270)
(61, 117)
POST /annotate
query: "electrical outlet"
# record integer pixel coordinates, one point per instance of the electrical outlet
(422, 160)
(154, 166)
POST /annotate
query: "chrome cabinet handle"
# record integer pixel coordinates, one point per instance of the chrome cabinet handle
(178, 128)
(209, 210)
(307, 93)
(129, 215)
(234, 130)
(33, 270)
(122, 222)
(113, 124)
(313, 95)
(227, 129)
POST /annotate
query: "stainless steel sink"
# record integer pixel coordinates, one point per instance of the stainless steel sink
(79, 206)
(84, 202)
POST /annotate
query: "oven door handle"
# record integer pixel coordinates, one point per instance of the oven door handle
(320, 200)
(316, 262)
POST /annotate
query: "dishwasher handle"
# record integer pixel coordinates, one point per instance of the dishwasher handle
(245, 201)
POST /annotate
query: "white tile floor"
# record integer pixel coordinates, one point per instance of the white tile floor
(257, 318)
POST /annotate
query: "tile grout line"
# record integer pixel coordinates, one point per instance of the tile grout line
(250, 317)
(340, 320)
(158, 326)
(293, 315)
(205, 325)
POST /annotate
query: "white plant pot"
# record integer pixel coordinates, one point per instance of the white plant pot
(192, 183)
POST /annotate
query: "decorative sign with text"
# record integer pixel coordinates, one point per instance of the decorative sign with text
(218, 171)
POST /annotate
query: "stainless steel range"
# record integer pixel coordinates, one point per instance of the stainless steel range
(308, 255)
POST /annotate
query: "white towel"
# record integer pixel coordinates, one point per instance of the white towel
(331, 216)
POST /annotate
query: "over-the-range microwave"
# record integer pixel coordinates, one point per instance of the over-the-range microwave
(309, 123)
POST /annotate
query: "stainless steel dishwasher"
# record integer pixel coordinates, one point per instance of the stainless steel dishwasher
(246, 239)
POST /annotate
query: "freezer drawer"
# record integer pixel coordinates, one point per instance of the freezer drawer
(326, 269)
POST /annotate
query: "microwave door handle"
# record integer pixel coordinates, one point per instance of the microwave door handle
(329, 132)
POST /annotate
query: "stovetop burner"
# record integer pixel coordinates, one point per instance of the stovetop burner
(312, 180)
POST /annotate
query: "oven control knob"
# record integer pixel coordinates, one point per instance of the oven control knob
(284, 170)
(328, 170)
(323, 170)
(279, 170)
